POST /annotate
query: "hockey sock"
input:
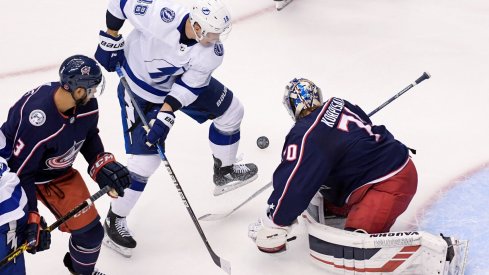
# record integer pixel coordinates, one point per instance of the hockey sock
(224, 146)
(122, 206)
(85, 249)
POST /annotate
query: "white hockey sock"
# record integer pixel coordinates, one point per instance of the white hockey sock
(122, 206)
(226, 153)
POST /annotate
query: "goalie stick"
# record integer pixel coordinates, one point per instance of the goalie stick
(225, 265)
(215, 217)
(73, 212)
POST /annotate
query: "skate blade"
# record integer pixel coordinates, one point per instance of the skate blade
(124, 251)
(219, 190)
(280, 5)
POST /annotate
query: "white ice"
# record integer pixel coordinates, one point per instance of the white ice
(364, 51)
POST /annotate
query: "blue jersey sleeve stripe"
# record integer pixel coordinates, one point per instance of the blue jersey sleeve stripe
(123, 5)
(195, 91)
(143, 85)
(11, 203)
(298, 164)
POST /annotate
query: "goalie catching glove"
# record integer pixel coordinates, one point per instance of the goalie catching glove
(269, 237)
(107, 171)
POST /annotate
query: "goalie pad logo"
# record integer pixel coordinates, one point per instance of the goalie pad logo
(37, 118)
(167, 15)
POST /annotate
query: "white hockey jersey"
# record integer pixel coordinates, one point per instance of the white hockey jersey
(12, 197)
(157, 63)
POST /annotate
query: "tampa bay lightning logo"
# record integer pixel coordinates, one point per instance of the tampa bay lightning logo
(219, 49)
(3, 168)
(167, 14)
(37, 117)
(206, 11)
(66, 159)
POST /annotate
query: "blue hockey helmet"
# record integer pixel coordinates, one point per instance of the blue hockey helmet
(80, 71)
(301, 94)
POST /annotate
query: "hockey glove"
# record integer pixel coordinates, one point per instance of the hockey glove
(110, 51)
(107, 171)
(160, 128)
(37, 237)
(269, 237)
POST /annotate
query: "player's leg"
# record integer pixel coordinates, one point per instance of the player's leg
(219, 103)
(142, 162)
(375, 208)
(11, 237)
(62, 195)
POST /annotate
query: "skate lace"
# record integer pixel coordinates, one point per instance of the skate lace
(240, 168)
(121, 227)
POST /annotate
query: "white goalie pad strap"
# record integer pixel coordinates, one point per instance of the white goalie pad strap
(409, 252)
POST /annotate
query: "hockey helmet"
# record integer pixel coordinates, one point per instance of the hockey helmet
(80, 71)
(212, 16)
(301, 94)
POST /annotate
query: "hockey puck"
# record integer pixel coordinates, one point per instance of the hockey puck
(262, 142)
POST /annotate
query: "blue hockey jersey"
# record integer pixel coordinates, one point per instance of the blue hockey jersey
(335, 148)
(41, 143)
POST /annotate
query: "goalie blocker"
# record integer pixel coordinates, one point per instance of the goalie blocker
(407, 252)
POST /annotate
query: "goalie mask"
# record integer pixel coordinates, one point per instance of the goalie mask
(301, 94)
(80, 71)
(212, 16)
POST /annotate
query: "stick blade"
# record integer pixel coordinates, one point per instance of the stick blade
(226, 266)
(212, 217)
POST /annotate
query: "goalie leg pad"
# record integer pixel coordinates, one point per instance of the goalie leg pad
(408, 252)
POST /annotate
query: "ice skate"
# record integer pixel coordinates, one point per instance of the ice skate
(117, 235)
(280, 4)
(233, 176)
(69, 265)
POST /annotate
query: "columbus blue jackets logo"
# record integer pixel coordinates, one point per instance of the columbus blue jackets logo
(66, 159)
(85, 70)
(167, 14)
(37, 117)
(219, 49)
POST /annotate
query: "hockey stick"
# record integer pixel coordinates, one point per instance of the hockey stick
(225, 265)
(419, 80)
(214, 217)
(281, 4)
(88, 202)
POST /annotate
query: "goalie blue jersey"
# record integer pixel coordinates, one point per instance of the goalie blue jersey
(41, 144)
(337, 149)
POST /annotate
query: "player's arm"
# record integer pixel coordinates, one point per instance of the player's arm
(103, 167)
(298, 177)
(184, 91)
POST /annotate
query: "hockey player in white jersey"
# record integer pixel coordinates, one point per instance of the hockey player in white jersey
(16, 226)
(168, 59)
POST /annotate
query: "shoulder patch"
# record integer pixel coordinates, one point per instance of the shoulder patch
(37, 117)
(219, 49)
(167, 14)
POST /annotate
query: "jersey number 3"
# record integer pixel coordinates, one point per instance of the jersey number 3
(18, 147)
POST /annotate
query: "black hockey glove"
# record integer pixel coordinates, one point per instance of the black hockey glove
(106, 171)
(37, 237)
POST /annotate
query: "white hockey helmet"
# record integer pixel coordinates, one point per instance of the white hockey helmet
(301, 94)
(212, 16)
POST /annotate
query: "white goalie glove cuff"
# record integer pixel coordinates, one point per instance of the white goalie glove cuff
(269, 237)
